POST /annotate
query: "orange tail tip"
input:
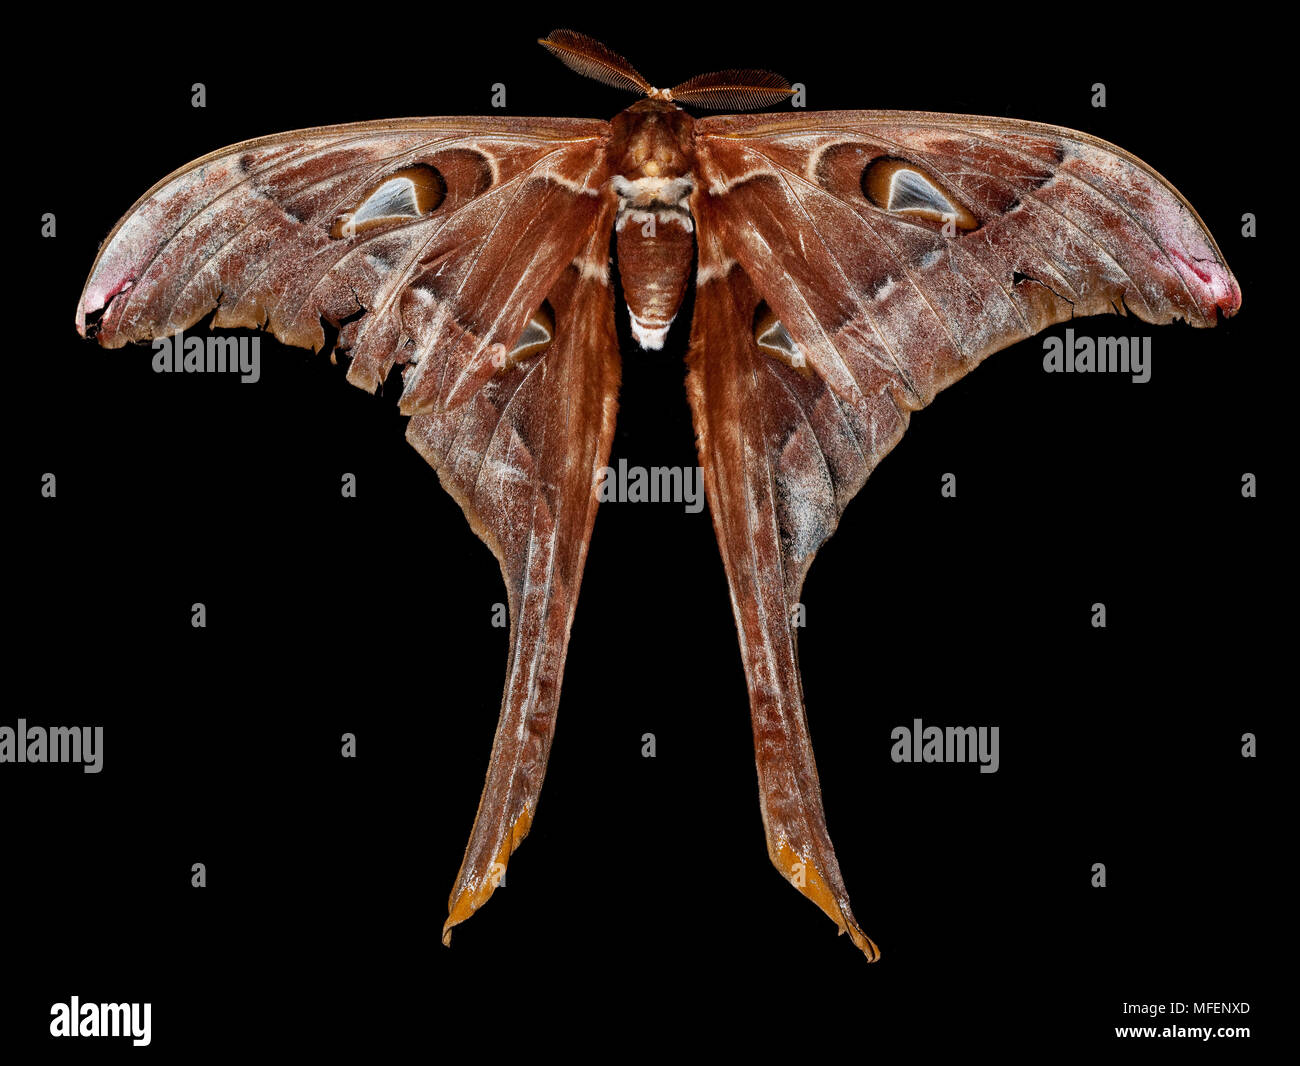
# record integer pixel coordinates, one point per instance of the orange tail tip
(864, 943)
(465, 901)
(804, 875)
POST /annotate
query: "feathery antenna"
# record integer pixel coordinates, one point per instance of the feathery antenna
(592, 59)
(734, 90)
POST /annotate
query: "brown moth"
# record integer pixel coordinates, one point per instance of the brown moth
(848, 266)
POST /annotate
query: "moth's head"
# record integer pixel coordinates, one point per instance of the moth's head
(724, 90)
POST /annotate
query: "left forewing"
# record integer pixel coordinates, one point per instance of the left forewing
(430, 241)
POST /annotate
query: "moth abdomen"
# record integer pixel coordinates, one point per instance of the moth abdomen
(656, 246)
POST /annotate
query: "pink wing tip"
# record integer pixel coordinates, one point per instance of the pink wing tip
(94, 303)
(1212, 283)
(1230, 302)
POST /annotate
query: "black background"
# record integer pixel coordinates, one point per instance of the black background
(642, 912)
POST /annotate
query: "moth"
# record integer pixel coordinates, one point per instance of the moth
(847, 266)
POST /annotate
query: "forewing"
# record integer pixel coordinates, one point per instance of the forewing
(432, 240)
(882, 296)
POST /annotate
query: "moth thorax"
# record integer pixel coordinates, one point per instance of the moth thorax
(652, 139)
